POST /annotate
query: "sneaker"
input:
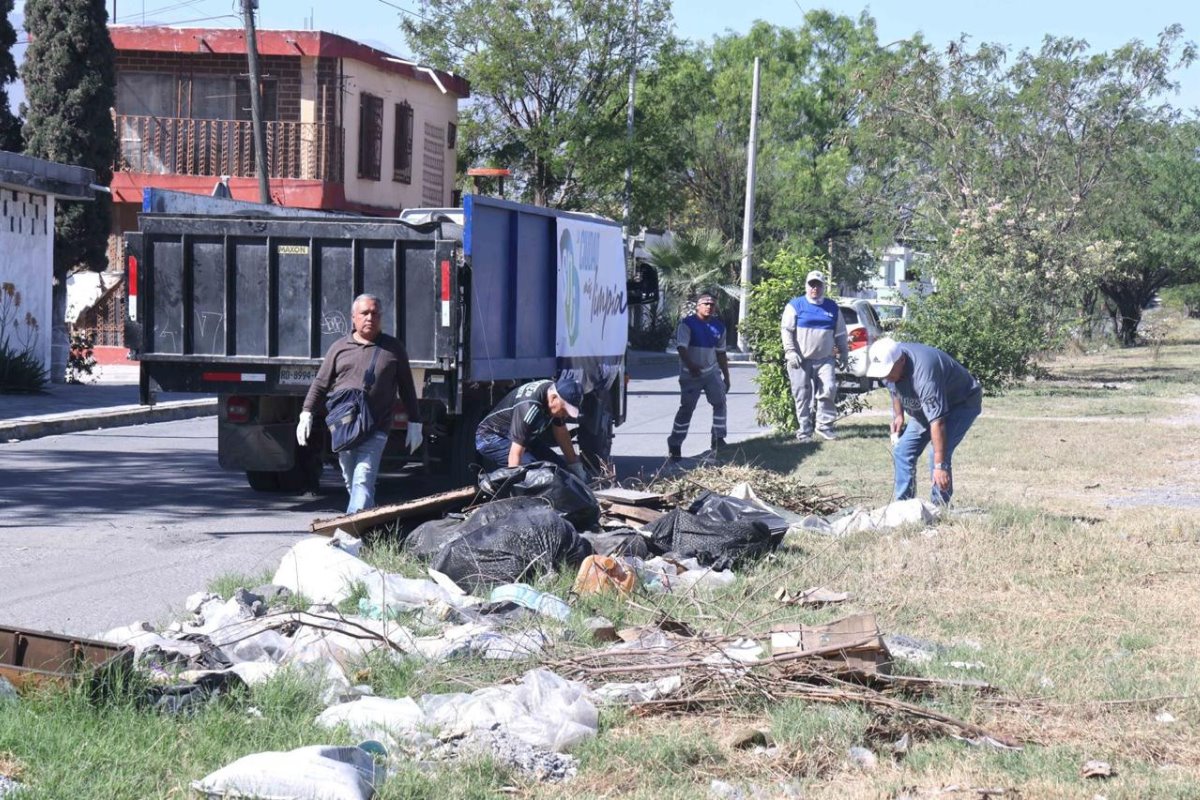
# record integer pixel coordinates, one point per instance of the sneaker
(717, 444)
(674, 453)
(828, 436)
(803, 438)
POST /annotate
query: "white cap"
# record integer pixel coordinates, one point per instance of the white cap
(882, 356)
(815, 275)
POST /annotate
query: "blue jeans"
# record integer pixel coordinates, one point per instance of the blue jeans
(360, 468)
(913, 441)
(493, 451)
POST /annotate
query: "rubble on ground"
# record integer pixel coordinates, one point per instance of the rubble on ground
(480, 599)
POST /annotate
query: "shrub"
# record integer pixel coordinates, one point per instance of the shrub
(785, 279)
(81, 360)
(1186, 297)
(657, 332)
(20, 369)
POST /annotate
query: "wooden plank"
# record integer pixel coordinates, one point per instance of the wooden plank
(629, 497)
(364, 520)
(644, 515)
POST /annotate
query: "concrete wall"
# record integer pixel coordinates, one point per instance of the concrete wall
(26, 264)
(433, 165)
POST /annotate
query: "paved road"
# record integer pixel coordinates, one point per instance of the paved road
(102, 528)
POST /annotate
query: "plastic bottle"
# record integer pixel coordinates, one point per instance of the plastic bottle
(526, 596)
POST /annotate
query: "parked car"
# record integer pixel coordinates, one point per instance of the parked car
(862, 329)
(890, 314)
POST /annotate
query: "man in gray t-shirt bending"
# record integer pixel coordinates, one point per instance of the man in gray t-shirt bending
(941, 398)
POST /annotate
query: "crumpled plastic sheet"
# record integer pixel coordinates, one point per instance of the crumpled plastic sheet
(634, 693)
(660, 574)
(544, 710)
(318, 772)
(894, 515)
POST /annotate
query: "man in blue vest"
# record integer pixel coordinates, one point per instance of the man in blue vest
(703, 367)
(812, 328)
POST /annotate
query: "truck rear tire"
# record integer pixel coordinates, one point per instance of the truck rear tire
(262, 481)
(462, 446)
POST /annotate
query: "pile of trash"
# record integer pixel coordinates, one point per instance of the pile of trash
(326, 610)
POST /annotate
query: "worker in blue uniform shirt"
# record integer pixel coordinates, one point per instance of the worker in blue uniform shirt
(941, 399)
(813, 330)
(703, 368)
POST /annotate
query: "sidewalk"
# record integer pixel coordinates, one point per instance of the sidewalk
(110, 402)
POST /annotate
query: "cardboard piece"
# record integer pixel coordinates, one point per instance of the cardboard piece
(864, 650)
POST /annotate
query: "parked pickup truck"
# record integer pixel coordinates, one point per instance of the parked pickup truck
(487, 297)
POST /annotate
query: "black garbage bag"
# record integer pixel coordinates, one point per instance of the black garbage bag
(716, 544)
(511, 548)
(618, 542)
(428, 538)
(569, 496)
(724, 508)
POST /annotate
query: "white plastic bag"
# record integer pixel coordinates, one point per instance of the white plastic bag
(321, 571)
(318, 772)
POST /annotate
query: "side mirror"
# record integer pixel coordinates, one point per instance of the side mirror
(643, 289)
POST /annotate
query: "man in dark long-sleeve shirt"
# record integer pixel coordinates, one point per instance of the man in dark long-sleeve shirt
(345, 367)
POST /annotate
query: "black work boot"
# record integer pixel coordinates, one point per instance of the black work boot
(717, 444)
(674, 453)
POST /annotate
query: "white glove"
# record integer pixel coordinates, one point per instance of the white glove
(304, 428)
(415, 437)
(578, 471)
(793, 360)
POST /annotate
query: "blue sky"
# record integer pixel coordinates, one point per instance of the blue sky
(1019, 23)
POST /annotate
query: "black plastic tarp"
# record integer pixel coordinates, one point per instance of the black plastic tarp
(723, 508)
(510, 547)
(716, 544)
(569, 496)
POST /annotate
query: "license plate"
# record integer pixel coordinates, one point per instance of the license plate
(296, 376)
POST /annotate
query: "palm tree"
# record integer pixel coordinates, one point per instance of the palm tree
(695, 261)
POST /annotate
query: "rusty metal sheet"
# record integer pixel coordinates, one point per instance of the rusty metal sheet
(33, 658)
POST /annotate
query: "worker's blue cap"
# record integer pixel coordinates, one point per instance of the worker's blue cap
(571, 393)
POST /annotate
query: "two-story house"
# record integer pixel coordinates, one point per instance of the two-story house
(348, 127)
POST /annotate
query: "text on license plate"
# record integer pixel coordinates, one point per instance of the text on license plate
(296, 376)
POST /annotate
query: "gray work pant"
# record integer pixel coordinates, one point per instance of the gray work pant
(712, 385)
(815, 380)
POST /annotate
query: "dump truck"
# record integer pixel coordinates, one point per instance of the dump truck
(486, 297)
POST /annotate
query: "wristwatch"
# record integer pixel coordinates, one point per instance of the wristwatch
(942, 465)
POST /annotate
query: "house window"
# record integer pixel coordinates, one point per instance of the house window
(370, 136)
(402, 147)
(270, 100)
(451, 135)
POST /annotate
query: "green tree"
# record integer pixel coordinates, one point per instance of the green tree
(1152, 219)
(70, 78)
(999, 166)
(550, 79)
(806, 190)
(10, 124)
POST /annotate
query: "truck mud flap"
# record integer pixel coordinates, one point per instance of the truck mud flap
(256, 448)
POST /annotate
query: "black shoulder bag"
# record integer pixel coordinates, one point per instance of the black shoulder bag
(348, 414)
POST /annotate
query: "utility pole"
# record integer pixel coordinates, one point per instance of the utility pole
(260, 134)
(748, 219)
(114, 19)
(627, 212)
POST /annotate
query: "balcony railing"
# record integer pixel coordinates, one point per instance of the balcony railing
(216, 147)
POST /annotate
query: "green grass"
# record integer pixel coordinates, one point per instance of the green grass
(1079, 606)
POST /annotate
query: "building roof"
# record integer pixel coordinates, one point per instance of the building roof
(46, 177)
(278, 43)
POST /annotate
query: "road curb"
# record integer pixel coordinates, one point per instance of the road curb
(25, 428)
